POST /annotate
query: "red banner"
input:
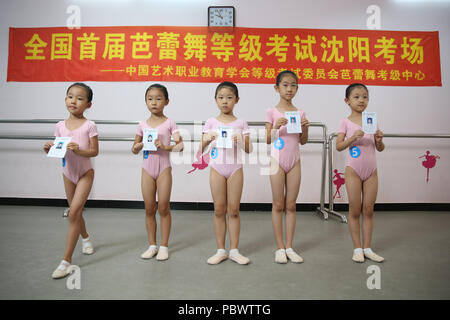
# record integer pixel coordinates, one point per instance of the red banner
(241, 55)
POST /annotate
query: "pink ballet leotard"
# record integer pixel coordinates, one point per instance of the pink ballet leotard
(362, 159)
(285, 149)
(155, 162)
(75, 166)
(226, 161)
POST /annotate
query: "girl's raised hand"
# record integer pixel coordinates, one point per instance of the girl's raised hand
(138, 147)
(159, 144)
(358, 134)
(378, 136)
(73, 146)
(210, 136)
(304, 123)
(280, 122)
(237, 138)
(47, 146)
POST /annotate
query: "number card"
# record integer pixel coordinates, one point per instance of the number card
(224, 137)
(150, 135)
(369, 122)
(59, 148)
(294, 122)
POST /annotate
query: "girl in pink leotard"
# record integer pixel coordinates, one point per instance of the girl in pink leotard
(78, 173)
(157, 170)
(226, 175)
(361, 179)
(285, 165)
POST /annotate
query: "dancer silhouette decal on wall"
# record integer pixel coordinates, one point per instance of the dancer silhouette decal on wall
(201, 163)
(338, 182)
(429, 163)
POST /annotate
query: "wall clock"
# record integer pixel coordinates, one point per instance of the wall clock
(221, 16)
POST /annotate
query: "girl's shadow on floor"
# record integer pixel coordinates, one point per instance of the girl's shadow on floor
(114, 249)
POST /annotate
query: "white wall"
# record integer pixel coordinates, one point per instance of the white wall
(26, 172)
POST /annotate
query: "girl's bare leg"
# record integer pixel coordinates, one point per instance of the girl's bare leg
(353, 185)
(234, 192)
(277, 182)
(164, 187)
(69, 187)
(148, 186)
(82, 190)
(218, 185)
(370, 190)
(292, 189)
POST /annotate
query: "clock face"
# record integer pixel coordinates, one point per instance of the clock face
(221, 16)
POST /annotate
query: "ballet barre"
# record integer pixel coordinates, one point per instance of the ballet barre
(323, 140)
(179, 123)
(329, 143)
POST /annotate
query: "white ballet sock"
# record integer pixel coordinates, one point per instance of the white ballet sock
(64, 265)
(162, 248)
(368, 251)
(86, 242)
(358, 250)
(152, 246)
(221, 252)
(234, 252)
(289, 250)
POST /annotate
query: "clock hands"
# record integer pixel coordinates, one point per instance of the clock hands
(221, 16)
